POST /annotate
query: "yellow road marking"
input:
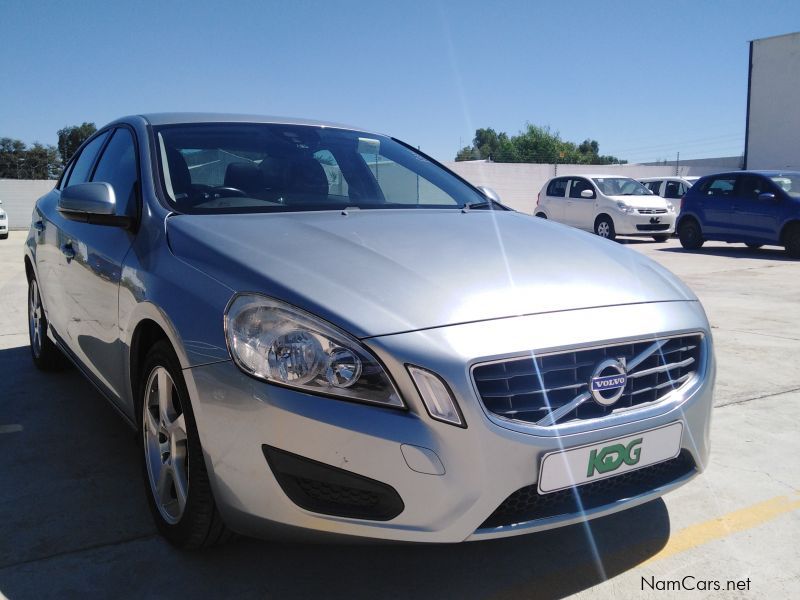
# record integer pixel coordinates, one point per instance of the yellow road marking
(745, 518)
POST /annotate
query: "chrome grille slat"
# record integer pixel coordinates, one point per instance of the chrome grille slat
(662, 385)
(533, 391)
(662, 368)
(553, 388)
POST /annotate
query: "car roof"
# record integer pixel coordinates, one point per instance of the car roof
(764, 172)
(666, 178)
(179, 118)
(593, 175)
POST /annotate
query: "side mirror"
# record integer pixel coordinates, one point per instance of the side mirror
(93, 202)
(767, 197)
(587, 194)
(489, 193)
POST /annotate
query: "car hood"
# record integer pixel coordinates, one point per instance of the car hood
(641, 201)
(388, 271)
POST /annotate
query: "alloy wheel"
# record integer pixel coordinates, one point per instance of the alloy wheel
(35, 321)
(165, 445)
(603, 229)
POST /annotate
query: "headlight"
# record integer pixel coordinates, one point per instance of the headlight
(625, 208)
(281, 344)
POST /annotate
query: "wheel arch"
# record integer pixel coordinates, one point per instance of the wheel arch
(600, 216)
(788, 226)
(148, 326)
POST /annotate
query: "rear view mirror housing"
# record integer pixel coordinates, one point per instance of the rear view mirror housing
(93, 203)
(587, 194)
(767, 197)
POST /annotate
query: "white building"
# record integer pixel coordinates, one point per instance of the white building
(772, 136)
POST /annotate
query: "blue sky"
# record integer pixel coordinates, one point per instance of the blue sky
(646, 79)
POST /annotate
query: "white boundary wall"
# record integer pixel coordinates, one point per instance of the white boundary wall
(19, 196)
(517, 183)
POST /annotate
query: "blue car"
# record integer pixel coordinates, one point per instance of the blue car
(750, 207)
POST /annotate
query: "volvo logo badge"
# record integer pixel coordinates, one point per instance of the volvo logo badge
(608, 381)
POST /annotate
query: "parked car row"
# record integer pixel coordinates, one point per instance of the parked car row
(750, 207)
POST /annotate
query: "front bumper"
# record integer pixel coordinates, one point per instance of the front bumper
(480, 466)
(644, 224)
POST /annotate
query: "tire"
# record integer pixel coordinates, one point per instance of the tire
(541, 215)
(791, 241)
(46, 355)
(604, 227)
(690, 235)
(172, 457)
(661, 238)
(4, 236)
(754, 246)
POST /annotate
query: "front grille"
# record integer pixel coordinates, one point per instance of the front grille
(653, 227)
(652, 211)
(529, 389)
(527, 504)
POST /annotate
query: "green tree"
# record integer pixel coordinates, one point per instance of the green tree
(70, 139)
(533, 145)
(468, 153)
(20, 162)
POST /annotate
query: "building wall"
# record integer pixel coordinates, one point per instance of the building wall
(773, 124)
(19, 196)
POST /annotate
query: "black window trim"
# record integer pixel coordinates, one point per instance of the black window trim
(138, 193)
(80, 150)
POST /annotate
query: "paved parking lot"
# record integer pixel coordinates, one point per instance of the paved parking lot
(73, 518)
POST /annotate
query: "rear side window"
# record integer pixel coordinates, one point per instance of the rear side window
(558, 188)
(83, 166)
(117, 166)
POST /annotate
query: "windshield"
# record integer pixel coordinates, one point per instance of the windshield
(245, 167)
(789, 183)
(621, 186)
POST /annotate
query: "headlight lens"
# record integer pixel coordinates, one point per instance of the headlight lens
(625, 208)
(281, 344)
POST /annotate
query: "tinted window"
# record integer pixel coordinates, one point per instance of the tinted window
(720, 186)
(673, 189)
(653, 186)
(558, 188)
(249, 167)
(83, 166)
(750, 186)
(578, 185)
(117, 166)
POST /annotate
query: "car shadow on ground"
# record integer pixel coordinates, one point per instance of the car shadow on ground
(736, 251)
(74, 519)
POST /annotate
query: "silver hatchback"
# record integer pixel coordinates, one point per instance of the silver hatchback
(313, 327)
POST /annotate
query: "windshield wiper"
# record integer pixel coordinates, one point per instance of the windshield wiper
(473, 205)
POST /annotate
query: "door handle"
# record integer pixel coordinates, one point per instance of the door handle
(39, 226)
(68, 251)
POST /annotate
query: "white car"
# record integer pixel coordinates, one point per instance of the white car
(608, 205)
(671, 189)
(3, 223)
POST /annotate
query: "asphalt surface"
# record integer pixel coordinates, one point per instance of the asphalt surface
(74, 523)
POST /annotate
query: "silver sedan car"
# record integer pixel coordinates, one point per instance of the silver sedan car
(317, 328)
